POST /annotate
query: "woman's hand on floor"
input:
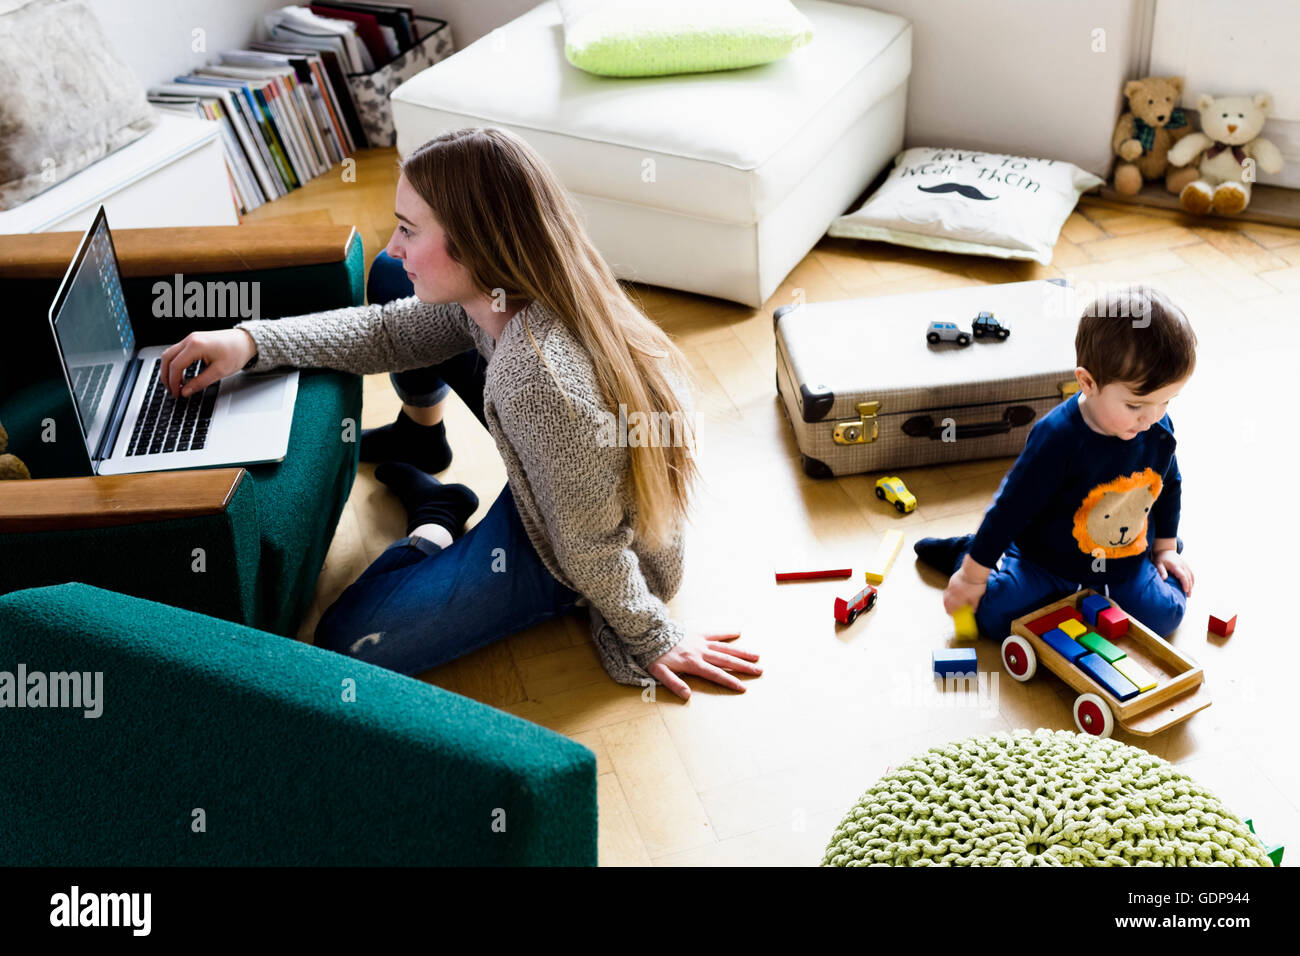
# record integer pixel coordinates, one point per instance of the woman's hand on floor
(707, 656)
(223, 352)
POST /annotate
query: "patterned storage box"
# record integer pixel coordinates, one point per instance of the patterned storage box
(371, 90)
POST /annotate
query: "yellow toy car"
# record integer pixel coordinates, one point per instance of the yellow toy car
(893, 489)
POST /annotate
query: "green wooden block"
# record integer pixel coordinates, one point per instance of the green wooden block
(1099, 645)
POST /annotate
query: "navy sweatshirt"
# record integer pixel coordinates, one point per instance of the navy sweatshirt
(1074, 496)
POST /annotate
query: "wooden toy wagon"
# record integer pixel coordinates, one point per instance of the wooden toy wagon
(1124, 673)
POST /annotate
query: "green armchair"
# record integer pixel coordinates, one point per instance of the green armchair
(206, 743)
(246, 545)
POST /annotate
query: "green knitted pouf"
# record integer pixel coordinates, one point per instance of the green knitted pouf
(1040, 798)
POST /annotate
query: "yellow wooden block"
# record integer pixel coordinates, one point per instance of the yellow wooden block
(963, 620)
(1135, 672)
(1076, 629)
(878, 567)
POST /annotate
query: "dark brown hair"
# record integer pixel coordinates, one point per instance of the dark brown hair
(1135, 334)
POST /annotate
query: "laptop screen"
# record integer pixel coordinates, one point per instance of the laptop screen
(93, 331)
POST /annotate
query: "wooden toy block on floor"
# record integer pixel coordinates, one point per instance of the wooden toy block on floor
(963, 620)
(1135, 672)
(1049, 622)
(1112, 623)
(814, 575)
(1222, 624)
(1076, 629)
(1095, 642)
(1092, 606)
(878, 567)
(1064, 644)
(1095, 666)
(954, 661)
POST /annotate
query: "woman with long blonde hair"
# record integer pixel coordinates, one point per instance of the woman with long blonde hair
(514, 307)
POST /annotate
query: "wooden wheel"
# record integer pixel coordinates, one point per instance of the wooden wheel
(1092, 716)
(1018, 658)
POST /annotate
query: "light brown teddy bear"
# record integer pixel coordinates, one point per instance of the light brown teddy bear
(11, 466)
(1146, 132)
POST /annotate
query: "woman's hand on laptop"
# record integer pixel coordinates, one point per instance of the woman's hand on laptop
(222, 351)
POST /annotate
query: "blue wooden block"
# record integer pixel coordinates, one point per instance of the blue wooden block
(1095, 666)
(1090, 607)
(1064, 644)
(951, 661)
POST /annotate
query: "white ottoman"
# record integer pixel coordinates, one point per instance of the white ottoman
(716, 183)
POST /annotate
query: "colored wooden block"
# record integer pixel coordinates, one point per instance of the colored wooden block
(1075, 629)
(1064, 644)
(963, 620)
(814, 575)
(1135, 672)
(1095, 666)
(1095, 642)
(952, 661)
(1093, 605)
(1047, 622)
(1112, 623)
(878, 567)
(1222, 624)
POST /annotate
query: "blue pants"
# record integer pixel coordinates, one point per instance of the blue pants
(420, 605)
(1018, 586)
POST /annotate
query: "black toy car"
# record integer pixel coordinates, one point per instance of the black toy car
(985, 324)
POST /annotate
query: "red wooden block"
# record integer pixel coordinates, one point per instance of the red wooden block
(814, 575)
(1047, 622)
(1112, 623)
(1223, 625)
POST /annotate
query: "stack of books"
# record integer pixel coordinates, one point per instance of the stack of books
(285, 107)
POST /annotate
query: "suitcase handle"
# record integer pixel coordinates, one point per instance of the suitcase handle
(923, 426)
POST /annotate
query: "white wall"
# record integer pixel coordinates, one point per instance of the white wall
(1019, 76)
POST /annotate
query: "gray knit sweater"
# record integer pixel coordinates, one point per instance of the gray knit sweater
(574, 495)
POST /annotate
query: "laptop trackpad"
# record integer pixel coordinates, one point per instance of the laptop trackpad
(251, 393)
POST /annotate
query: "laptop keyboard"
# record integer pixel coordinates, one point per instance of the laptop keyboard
(169, 424)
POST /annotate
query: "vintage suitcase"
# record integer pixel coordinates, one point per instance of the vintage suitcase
(866, 392)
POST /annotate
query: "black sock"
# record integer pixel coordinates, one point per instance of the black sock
(426, 499)
(424, 446)
(943, 554)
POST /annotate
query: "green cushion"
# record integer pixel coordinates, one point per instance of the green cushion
(679, 36)
(254, 731)
(1041, 798)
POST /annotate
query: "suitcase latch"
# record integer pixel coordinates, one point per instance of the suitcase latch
(1068, 388)
(862, 430)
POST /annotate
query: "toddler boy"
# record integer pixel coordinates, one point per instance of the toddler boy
(1093, 500)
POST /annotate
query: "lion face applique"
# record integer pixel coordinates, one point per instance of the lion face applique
(1113, 516)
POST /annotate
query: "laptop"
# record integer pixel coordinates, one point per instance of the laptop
(129, 421)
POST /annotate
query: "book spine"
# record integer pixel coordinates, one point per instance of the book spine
(262, 141)
(273, 140)
(251, 154)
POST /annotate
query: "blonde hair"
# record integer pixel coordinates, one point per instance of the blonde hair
(509, 222)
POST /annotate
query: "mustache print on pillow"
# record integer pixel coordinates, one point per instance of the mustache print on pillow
(970, 192)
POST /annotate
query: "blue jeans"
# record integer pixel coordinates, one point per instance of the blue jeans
(1017, 586)
(420, 605)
